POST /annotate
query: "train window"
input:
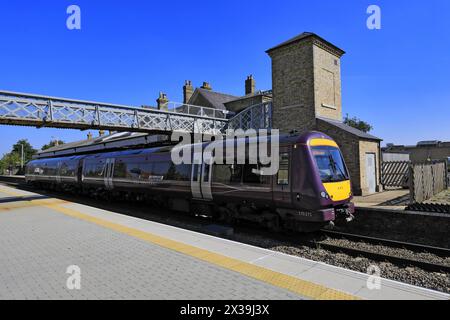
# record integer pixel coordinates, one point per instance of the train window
(206, 172)
(252, 175)
(171, 173)
(133, 170)
(249, 174)
(183, 172)
(179, 172)
(236, 173)
(146, 170)
(283, 172)
(160, 168)
(195, 172)
(52, 168)
(120, 170)
(157, 171)
(222, 173)
(64, 170)
(89, 169)
(93, 169)
(67, 169)
(99, 169)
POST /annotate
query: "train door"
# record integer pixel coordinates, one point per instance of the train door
(108, 173)
(196, 176)
(282, 182)
(206, 176)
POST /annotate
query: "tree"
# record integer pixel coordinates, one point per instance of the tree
(28, 150)
(9, 161)
(52, 144)
(358, 124)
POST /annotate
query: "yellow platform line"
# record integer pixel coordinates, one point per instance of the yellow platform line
(301, 287)
(8, 207)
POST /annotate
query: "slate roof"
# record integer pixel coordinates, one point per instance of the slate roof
(349, 129)
(303, 36)
(216, 99)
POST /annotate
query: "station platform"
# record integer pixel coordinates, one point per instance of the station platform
(123, 257)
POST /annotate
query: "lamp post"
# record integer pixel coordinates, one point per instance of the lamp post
(21, 157)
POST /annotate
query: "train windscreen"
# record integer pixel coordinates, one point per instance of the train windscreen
(330, 164)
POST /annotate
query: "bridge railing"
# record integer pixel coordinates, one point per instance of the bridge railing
(197, 110)
(44, 111)
(255, 117)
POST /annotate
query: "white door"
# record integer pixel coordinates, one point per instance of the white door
(371, 172)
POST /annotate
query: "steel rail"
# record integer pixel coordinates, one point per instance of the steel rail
(439, 251)
(385, 257)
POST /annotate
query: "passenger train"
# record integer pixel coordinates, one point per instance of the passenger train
(311, 190)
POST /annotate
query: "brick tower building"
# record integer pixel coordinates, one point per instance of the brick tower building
(306, 84)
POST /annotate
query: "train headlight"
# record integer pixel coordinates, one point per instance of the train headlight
(325, 195)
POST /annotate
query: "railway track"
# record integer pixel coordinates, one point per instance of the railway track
(397, 260)
(442, 252)
(316, 241)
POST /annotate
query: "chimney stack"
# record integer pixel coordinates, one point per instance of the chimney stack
(163, 102)
(250, 85)
(206, 86)
(188, 91)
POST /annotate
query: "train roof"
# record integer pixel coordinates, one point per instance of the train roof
(303, 138)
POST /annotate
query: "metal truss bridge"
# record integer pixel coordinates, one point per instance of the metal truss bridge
(43, 111)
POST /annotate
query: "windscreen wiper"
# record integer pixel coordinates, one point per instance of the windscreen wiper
(335, 165)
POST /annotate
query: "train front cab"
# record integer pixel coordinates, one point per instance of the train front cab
(332, 180)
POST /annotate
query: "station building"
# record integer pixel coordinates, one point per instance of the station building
(305, 95)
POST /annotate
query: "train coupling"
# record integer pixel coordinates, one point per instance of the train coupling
(346, 212)
(330, 225)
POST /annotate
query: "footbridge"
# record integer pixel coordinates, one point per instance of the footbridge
(44, 111)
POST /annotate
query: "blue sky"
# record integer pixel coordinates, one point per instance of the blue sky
(396, 78)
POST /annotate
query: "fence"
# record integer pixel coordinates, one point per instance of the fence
(395, 174)
(427, 180)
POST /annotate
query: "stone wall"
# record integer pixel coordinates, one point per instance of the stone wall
(433, 153)
(327, 84)
(245, 102)
(293, 87)
(425, 228)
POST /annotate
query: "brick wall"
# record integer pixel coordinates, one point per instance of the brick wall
(293, 87)
(435, 153)
(241, 104)
(327, 84)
